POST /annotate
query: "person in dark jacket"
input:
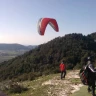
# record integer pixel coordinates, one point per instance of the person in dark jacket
(91, 76)
(63, 69)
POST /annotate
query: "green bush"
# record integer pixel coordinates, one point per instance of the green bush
(33, 75)
(16, 88)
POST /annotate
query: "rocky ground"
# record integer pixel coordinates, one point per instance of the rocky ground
(64, 87)
(55, 86)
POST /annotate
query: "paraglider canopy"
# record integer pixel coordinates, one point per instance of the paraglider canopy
(43, 22)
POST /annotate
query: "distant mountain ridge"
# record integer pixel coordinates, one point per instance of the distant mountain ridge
(15, 46)
(9, 51)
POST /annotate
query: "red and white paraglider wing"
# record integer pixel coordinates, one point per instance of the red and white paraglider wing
(54, 25)
(43, 22)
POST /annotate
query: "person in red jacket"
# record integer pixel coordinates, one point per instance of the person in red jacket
(63, 69)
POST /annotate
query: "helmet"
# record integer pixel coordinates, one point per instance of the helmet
(88, 58)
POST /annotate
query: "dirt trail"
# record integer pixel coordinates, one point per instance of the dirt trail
(64, 87)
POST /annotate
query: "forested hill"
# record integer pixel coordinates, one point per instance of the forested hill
(93, 35)
(45, 59)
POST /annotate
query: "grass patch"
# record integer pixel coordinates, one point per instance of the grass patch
(35, 87)
(82, 92)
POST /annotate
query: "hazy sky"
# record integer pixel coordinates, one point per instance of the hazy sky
(19, 19)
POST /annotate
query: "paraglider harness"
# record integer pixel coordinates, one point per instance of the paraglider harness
(84, 76)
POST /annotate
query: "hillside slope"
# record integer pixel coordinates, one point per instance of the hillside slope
(52, 85)
(45, 59)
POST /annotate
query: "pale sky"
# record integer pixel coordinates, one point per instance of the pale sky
(19, 19)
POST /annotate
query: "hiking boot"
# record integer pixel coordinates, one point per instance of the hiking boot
(89, 89)
(93, 95)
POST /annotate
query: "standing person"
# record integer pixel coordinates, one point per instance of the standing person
(91, 76)
(63, 69)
